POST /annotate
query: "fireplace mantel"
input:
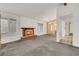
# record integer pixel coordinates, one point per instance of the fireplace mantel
(26, 28)
(27, 32)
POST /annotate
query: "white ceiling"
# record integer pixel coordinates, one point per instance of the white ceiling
(45, 11)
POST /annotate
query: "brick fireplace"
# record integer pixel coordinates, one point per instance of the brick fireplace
(27, 32)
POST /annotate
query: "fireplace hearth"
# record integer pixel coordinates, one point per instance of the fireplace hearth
(27, 32)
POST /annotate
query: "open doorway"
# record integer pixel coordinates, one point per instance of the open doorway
(66, 32)
(51, 28)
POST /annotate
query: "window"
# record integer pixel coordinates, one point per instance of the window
(8, 26)
(4, 26)
(40, 27)
(12, 26)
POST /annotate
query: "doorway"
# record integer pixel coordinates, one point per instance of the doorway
(51, 28)
(66, 32)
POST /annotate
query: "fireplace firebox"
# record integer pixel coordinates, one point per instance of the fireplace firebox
(27, 32)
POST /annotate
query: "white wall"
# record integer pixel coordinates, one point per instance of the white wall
(22, 22)
(64, 13)
(28, 22)
(76, 25)
(64, 10)
(73, 10)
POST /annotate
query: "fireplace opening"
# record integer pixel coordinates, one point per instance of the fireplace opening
(27, 32)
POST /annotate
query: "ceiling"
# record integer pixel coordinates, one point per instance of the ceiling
(44, 11)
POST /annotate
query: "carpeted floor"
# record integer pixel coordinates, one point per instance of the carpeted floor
(41, 46)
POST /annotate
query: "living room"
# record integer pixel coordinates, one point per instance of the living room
(39, 29)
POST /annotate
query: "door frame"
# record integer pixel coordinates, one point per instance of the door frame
(0, 31)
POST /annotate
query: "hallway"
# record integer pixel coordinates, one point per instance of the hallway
(41, 46)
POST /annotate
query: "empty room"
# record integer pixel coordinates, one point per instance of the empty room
(39, 29)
